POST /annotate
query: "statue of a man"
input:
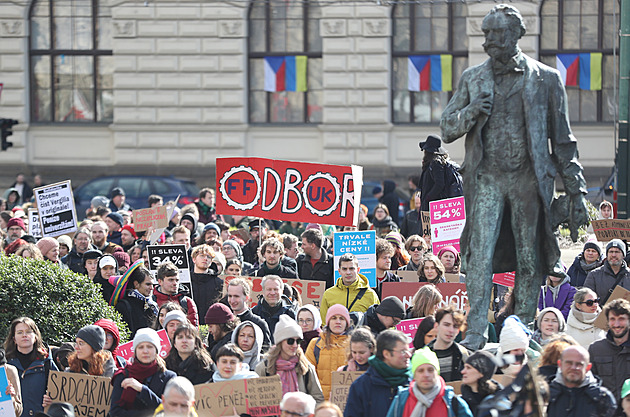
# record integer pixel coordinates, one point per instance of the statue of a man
(513, 110)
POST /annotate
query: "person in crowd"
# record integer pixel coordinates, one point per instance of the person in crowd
(372, 393)
(548, 365)
(328, 409)
(181, 236)
(112, 340)
(272, 304)
(90, 264)
(416, 246)
(272, 251)
(315, 263)
(451, 260)
(557, 292)
(172, 321)
(425, 302)
(65, 245)
(137, 307)
(232, 250)
(362, 345)
(138, 388)
(434, 164)
(128, 237)
(234, 268)
(432, 270)
(205, 206)
(29, 251)
(239, 298)
(610, 356)
(505, 308)
(385, 315)
(163, 311)
(188, 357)
(382, 222)
(515, 341)
(178, 399)
(99, 238)
(13, 389)
(309, 319)
(605, 211)
(135, 252)
(613, 272)
(451, 354)
(364, 221)
(49, 247)
(426, 333)
(477, 382)
(15, 229)
(390, 199)
(221, 323)
(585, 262)
(168, 289)
(580, 324)
(550, 323)
(384, 253)
(287, 359)
(24, 190)
(291, 244)
(26, 351)
(82, 242)
(190, 221)
(12, 198)
(117, 199)
(210, 232)
(294, 228)
(122, 259)
(623, 408)
(250, 250)
(297, 404)
(114, 221)
(327, 352)
(207, 287)
(230, 365)
(352, 289)
(412, 223)
(575, 392)
(248, 337)
(400, 257)
(107, 267)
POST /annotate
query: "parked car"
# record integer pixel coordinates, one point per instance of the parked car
(370, 202)
(137, 188)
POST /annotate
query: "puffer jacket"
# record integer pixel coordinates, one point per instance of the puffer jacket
(580, 327)
(33, 381)
(602, 279)
(307, 383)
(590, 399)
(610, 362)
(370, 395)
(346, 294)
(447, 395)
(326, 360)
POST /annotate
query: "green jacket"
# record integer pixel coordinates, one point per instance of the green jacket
(345, 295)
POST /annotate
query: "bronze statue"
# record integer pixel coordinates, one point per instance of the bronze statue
(513, 110)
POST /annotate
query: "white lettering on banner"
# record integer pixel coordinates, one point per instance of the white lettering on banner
(290, 186)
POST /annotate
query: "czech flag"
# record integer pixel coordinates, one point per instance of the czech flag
(591, 71)
(568, 65)
(285, 73)
(430, 73)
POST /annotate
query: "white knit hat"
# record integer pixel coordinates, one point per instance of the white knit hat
(512, 336)
(147, 335)
(286, 328)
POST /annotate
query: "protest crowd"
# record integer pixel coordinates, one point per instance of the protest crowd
(575, 367)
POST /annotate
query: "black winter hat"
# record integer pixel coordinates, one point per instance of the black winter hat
(93, 336)
(391, 307)
(484, 363)
(433, 144)
(116, 192)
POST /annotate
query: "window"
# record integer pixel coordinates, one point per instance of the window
(71, 61)
(583, 26)
(287, 28)
(436, 28)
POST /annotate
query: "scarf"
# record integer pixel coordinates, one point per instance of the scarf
(148, 301)
(204, 209)
(394, 377)
(424, 401)
(583, 317)
(589, 267)
(288, 374)
(140, 372)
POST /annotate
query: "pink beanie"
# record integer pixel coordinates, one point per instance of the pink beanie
(338, 309)
(47, 244)
(448, 248)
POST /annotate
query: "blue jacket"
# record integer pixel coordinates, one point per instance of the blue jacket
(33, 383)
(369, 396)
(398, 405)
(146, 401)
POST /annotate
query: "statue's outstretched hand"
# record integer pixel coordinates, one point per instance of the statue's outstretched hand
(579, 215)
(481, 104)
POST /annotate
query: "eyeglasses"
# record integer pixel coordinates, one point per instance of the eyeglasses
(404, 352)
(294, 413)
(305, 321)
(590, 302)
(291, 341)
(415, 248)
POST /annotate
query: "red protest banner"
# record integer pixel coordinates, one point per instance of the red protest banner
(452, 293)
(288, 190)
(506, 279)
(311, 291)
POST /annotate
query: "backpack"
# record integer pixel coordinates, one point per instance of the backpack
(454, 186)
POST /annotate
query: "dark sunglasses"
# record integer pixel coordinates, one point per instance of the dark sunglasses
(291, 341)
(590, 302)
(415, 248)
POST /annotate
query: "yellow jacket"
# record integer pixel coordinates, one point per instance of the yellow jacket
(345, 295)
(327, 360)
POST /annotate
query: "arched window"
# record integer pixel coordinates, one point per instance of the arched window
(70, 61)
(286, 29)
(422, 30)
(583, 27)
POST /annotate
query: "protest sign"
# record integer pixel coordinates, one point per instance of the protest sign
(409, 327)
(90, 395)
(289, 190)
(426, 223)
(173, 253)
(610, 229)
(310, 290)
(55, 204)
(502, 379)
(4, 383)
(406, 276)
(150, 218)
(257, 397)
(448, 218)
(361, 244)
(7, 409)
(506, 279)
(34, 228)
(341, 381)
(452, 293)
(451, 277)
(126, 349)
(619, 292)
(157, 233)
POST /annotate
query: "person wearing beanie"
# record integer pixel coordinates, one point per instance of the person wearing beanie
(138, 388)
(328, 352)
(49, 247)
(210, 231)
(117, 200)
(452, 261)
(385, 315)
(585, 262)
(99, 201)
(451, 354)
(557, 292)
(112, 340)
(15, 229)
(114, 221)
(400, 257)
(172, 321)
(221, 323)
(287, 360)
(514, 340)
(613, 272)
(477, 382)
(550, 322)
(65, 245)
(122, 260)
(90, 262)
(428, 394)
(190, 222)
(232, 250)
(310, 321)
(128, 237)
(624, 404)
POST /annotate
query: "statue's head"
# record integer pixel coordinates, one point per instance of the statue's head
(502, 27)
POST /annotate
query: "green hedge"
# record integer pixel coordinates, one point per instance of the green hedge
(60, 301)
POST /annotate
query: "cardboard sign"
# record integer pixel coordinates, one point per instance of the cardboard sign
(341, 381)
(448, 218)
(406, 276)
(150, 218)
(610, 229)
(426, 223)
(90, 395)
(289, 190)
(409, 327)
(452, 293)
(257, 397)
(34, 228)
(310, 290)
(619, 292)
(57, 214)
(174, 253)
(451, 277)
(126, 349)
(169, 214)
(506, 279)
(241, 233)
(502, 379)
(362, 244)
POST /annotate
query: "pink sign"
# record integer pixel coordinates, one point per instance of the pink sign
(506, 279)
(126, 349)
(448, 218)
(409, 327)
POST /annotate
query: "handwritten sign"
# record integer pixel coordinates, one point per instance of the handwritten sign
(57, 214)
(150, 218)
(257, 397)
(409, 327)
(448, 218)
(426, 223)
(90, 395)
(618, 292)
(406, 276)
(341, 382)
(361, 244)
(610, 229)
(452, 293)
(173, 253)
(311, 291)
(126, 349)
(34, 228)
(506, 279)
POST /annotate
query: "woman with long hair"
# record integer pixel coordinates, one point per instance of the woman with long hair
(477, 381)
(426, 333)
(188, 357)
(137, 307)
(362, 345)
(382, 222)
(431, 270)
(584, 311)
(26, 351)
(401, 257)
(425, 302)
(29, 250)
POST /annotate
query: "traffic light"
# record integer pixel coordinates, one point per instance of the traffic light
(6, 126)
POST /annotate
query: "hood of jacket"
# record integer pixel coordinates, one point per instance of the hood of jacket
(317, 317)
(360, 282)
(589, 379)
(562, 323)
(388, 186)
(244, 373)
(256, 349)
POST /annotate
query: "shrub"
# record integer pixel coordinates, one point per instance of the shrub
(59, 300)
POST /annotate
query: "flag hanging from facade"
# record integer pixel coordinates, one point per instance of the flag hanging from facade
(285, 73)
(583, 70)
(430, 73)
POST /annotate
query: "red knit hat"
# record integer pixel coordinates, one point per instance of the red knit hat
(219, 313)
(109, 326)
(129, 228)
(122, 258)
(16, 221)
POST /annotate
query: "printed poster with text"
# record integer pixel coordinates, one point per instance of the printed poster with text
(57, 214)
(448, 218)
(361, 244)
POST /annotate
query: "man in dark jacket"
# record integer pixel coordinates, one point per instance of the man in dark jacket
(315, 263)
(412, 223)
(238, 298)
(82, 243)
(272, 251)
(575, 392)
(585, 262)
(372, 393)
(614, 272)
(383, 316)
(390, 199)
(117, 200)
(207, 287)
(273, 304)
(257, 228)
(205, 206)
